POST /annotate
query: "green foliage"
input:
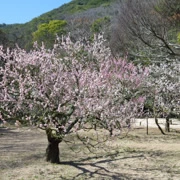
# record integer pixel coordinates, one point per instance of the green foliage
(57, 26)
(3, 38)
(47, 31)
(99, 23)
(178, 37)
(82, 5)
(148, 106)
(98, 2)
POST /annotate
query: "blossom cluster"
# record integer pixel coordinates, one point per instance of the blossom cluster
(164, 87)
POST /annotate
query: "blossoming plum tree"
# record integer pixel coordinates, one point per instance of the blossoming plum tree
(68, 88)
(163, 85)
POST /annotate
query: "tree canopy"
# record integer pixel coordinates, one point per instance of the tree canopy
(69, 88)
(3, 38)
(47, 32)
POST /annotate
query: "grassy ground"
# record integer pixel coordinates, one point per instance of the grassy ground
(137, 156)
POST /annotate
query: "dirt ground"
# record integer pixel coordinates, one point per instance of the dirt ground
(135, 157)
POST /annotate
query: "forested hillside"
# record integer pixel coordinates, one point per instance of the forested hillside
(143, 29)
(78, 14)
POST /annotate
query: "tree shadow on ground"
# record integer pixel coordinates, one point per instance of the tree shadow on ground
(96, 169)
(5, 131)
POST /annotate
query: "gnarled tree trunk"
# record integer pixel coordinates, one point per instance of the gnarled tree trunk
(52, 151)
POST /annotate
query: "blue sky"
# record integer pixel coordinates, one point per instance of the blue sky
(22, 11)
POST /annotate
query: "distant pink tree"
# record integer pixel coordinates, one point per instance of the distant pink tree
(69, 88)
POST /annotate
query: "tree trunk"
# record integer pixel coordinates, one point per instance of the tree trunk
(167, 125)
(156, 121)
(52, 151)
(147, 127)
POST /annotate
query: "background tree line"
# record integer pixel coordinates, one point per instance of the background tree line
(22, 34)
(141, 28)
